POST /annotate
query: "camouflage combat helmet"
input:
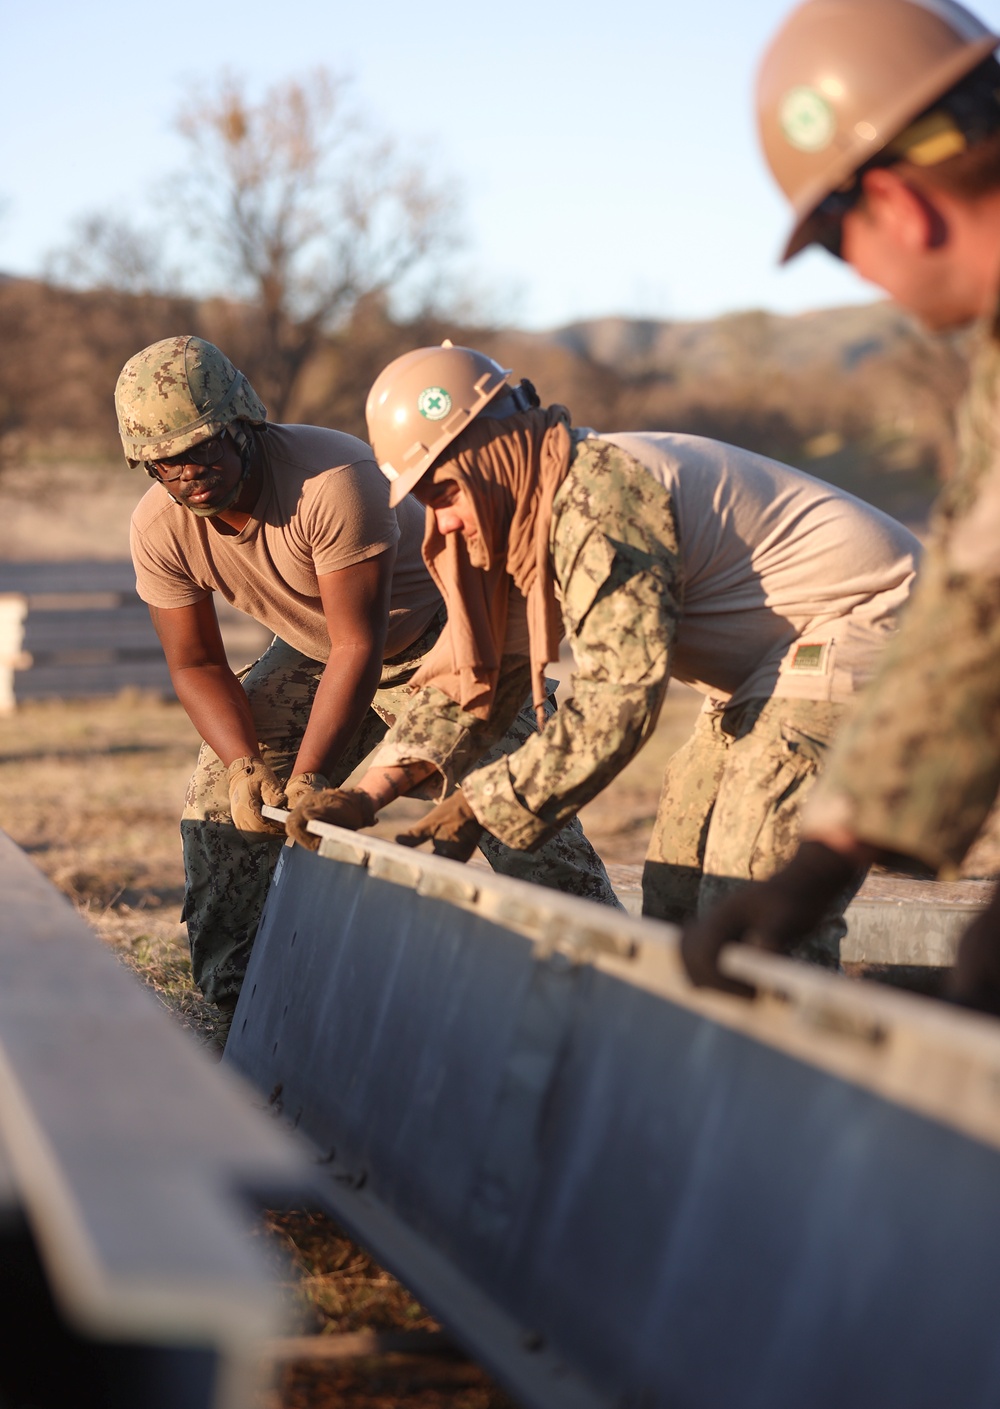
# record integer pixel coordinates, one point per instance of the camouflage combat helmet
(176, 393)
(841, 84)
(423, 400)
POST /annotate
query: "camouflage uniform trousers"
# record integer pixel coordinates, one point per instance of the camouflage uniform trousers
(729, 811)
(227, 872)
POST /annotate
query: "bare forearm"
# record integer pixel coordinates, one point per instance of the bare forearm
(218, 708)
(383, 784)
(344, 695)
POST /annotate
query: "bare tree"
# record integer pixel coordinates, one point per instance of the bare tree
(305, 214)
(109, 253)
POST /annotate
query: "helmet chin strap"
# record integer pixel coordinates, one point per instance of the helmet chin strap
(508, 403)
(244, 442)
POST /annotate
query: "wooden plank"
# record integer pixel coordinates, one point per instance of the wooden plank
(79, 630)
(125, 628)
(75, 575)
(80, 681)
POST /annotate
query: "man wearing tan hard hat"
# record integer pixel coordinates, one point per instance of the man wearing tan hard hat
(880, 120)
(659, 556)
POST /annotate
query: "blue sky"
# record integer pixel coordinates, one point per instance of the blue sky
(604, 154)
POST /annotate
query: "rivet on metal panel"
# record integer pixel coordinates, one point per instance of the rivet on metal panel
(530, 919)
(400, 873)
(354, 853)
(457, 892)
(830, 1018)
(583, 942)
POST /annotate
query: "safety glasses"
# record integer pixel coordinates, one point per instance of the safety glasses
(206, 452)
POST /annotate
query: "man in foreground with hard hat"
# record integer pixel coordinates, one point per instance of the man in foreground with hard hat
(658, 555)
(292, 525)
(881, 121)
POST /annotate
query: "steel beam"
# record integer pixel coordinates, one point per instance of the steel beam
(130, 1170)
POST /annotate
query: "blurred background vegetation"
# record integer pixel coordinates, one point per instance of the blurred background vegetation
(300, 240)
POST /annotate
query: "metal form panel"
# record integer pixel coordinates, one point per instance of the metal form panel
(131, 1165)
(617, 1190)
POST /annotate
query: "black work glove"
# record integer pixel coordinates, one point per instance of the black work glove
(341, 807)
(774, 914)
(452, 827)
(974, 982)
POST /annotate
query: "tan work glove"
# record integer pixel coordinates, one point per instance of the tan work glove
(252, 785)
(341, 807)
(303, 785)
(452, 827)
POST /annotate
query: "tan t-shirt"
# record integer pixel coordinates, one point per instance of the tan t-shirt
(323, 506)
(791, 586)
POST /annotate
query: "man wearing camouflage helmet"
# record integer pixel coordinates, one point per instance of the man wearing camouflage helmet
(661, 555)
(292, 525)
(881, 121)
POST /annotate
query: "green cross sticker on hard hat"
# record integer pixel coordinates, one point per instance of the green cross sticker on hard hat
(434, 403)
(807, 120)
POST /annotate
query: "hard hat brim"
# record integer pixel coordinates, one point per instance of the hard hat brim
(890, 123)
(400, 487)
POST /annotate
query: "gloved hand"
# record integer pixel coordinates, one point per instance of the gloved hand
(974, 982)
(303, 785)
(341, 807)
(452, 827)
(251, 785)
(773, 914)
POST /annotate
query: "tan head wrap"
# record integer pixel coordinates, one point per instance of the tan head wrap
(510, 471)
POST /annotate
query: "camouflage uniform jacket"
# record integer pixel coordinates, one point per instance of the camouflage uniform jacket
(621, 581)
(918, 769)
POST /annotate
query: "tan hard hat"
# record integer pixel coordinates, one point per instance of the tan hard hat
(421, 402)
(842, 78)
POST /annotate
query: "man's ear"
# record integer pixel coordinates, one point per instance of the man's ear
(907, 214)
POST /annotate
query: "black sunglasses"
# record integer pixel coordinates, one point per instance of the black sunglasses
(826, 224)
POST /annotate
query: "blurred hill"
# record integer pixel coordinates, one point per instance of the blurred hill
(859, 396)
